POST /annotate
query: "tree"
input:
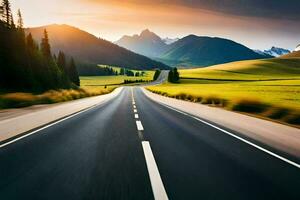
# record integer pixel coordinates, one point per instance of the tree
(45, 46)
(73, 73)
(6, 13)
(173, 75)
(137, 74)
(20, 23)
(61, 61)
(156, 74)
(122, 71)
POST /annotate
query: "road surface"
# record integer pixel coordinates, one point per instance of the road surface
(134, 148)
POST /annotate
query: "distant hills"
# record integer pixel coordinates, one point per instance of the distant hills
(294, 54)
(189, 51)
(297, 48)
(274, 52)
(87, 48)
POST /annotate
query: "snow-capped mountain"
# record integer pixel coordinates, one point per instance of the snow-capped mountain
(297, 48)
(274, 51)
(170, 40)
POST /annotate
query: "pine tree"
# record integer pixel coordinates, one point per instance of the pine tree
(6, 13)
(45, 46)
(61, 61)
(73, 73)
(20, 23)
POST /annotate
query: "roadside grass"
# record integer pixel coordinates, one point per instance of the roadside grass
(18, 100)
(266, 88)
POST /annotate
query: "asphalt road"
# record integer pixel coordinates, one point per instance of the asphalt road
(102, 154)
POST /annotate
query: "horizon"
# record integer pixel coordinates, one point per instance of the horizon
(111, 20)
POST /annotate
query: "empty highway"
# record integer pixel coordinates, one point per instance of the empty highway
(131, 147)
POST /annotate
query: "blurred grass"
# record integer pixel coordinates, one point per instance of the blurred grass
(269, 88)
(18, 100)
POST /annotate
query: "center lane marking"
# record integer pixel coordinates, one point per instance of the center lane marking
(158, 188)
(139, 126)
(157, 185)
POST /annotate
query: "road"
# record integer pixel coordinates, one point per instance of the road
(134, 148)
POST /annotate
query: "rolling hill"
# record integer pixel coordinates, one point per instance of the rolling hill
(204, 51)
(87, 48)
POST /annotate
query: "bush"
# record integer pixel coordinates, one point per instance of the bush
(277, 113)
(293, 118)
(250, 106)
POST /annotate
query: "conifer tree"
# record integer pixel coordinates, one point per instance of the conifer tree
(61, 61)
(6, 13)
(20, 23)
(73, 73)
(45, 46)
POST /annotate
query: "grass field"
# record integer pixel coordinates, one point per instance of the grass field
(273, 83)
(94, 82)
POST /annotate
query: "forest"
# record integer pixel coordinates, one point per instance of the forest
(28, 65)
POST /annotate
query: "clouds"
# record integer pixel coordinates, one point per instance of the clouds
(276, 9)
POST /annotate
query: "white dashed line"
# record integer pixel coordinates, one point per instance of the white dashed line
(134, 106)
(157, 185)
(139, 126)
(135, 110)
(136, 116)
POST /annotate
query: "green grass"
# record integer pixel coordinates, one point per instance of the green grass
(272, 83)
(94, 82)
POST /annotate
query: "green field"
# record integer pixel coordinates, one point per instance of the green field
(95, 82)
(273, 82)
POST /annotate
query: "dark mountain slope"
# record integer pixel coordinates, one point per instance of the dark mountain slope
(203, 51)
(85, 47)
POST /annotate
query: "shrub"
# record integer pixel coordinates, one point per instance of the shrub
(250, 106)
(293, 118)
(277, 113)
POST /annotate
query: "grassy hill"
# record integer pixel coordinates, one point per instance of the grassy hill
(268, 87)
(85, 47)
(204, 51)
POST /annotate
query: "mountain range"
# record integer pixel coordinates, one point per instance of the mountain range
(274, 51)
(188, 51)
(87, 48)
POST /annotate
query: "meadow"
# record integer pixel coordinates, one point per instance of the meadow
(269, 88)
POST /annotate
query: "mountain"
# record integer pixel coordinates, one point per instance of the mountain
(85, 47)
(189, 51)
(193, 50)
(170, 40)
(297, 48)
(274, 52)
(147, 43)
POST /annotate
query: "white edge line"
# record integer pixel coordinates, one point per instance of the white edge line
(139, 126)
(47, 126)
(157, 185)
(51, 124)
(237, 137)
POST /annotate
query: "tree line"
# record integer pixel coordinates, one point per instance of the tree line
(26, 65)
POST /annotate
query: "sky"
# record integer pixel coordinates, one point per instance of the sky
(258, 24)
